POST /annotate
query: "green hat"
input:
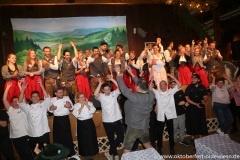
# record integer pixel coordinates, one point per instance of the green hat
(53, 152)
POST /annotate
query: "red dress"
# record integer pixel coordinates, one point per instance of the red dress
(33, 86)
(184, 72)
(127, 78)
(14, 91)
(32, 82)
(82, 81)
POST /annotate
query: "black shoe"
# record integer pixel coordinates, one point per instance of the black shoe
(172, 151)
(184, 143)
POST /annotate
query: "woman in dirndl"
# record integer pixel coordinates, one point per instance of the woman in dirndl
(197, 60)
(81, 70)
(157, 62)
(12, 72)
(86, 131)
(32, 68)
(117, 60)
(133, 63)
(183, 65)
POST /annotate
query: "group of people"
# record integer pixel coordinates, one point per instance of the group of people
(139, 85)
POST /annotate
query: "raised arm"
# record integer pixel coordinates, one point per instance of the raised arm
(134, 77)
(39, 81)
(192, 49)
(150, 85)
(110, 69)
(213, 79)
(5, 101)
(204, 49)
(75, 49)
(228, 79)
(96, 92)
(59, 52)
(113, 81)
(179, 85)
(129, 69)
(125, 91)
(21, 97)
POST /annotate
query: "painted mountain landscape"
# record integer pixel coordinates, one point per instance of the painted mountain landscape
(38, 33)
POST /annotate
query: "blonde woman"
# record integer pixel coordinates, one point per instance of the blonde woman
(81, 70)
(86, 131)
(12, 72)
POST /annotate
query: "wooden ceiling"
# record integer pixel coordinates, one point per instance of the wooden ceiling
(77, 2)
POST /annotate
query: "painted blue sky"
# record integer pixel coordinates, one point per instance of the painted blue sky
(48, 25)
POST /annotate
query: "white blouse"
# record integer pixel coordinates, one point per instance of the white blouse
(85, 113)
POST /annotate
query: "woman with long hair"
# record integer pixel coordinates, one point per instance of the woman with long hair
(12, 72)
(81, 70)
(133, 63)
(183, 66)
(158, 71)
(117, 60)
(197, 61)
(32, 68)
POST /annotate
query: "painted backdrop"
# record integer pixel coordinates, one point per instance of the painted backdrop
(85, 32)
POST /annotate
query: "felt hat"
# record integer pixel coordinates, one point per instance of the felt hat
(53, 152)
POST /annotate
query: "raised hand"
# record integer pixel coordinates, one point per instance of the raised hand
(212, 76)
(72, 43)
(100, 81)
(39, 81)
(146, 48)
(150, 85)
(224, 75)
(109, 77)
(169, 75)
(24, 85)
(59, 46)
(193, 42)
(205, 40)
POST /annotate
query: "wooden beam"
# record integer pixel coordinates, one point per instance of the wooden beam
(76, 2)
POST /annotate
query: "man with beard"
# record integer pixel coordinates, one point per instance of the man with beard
(61, 106)
(98, 67)
(51, 70)
(212, 60)
(103, 47)
(68, 69)
(36, 112)
(196, 96)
